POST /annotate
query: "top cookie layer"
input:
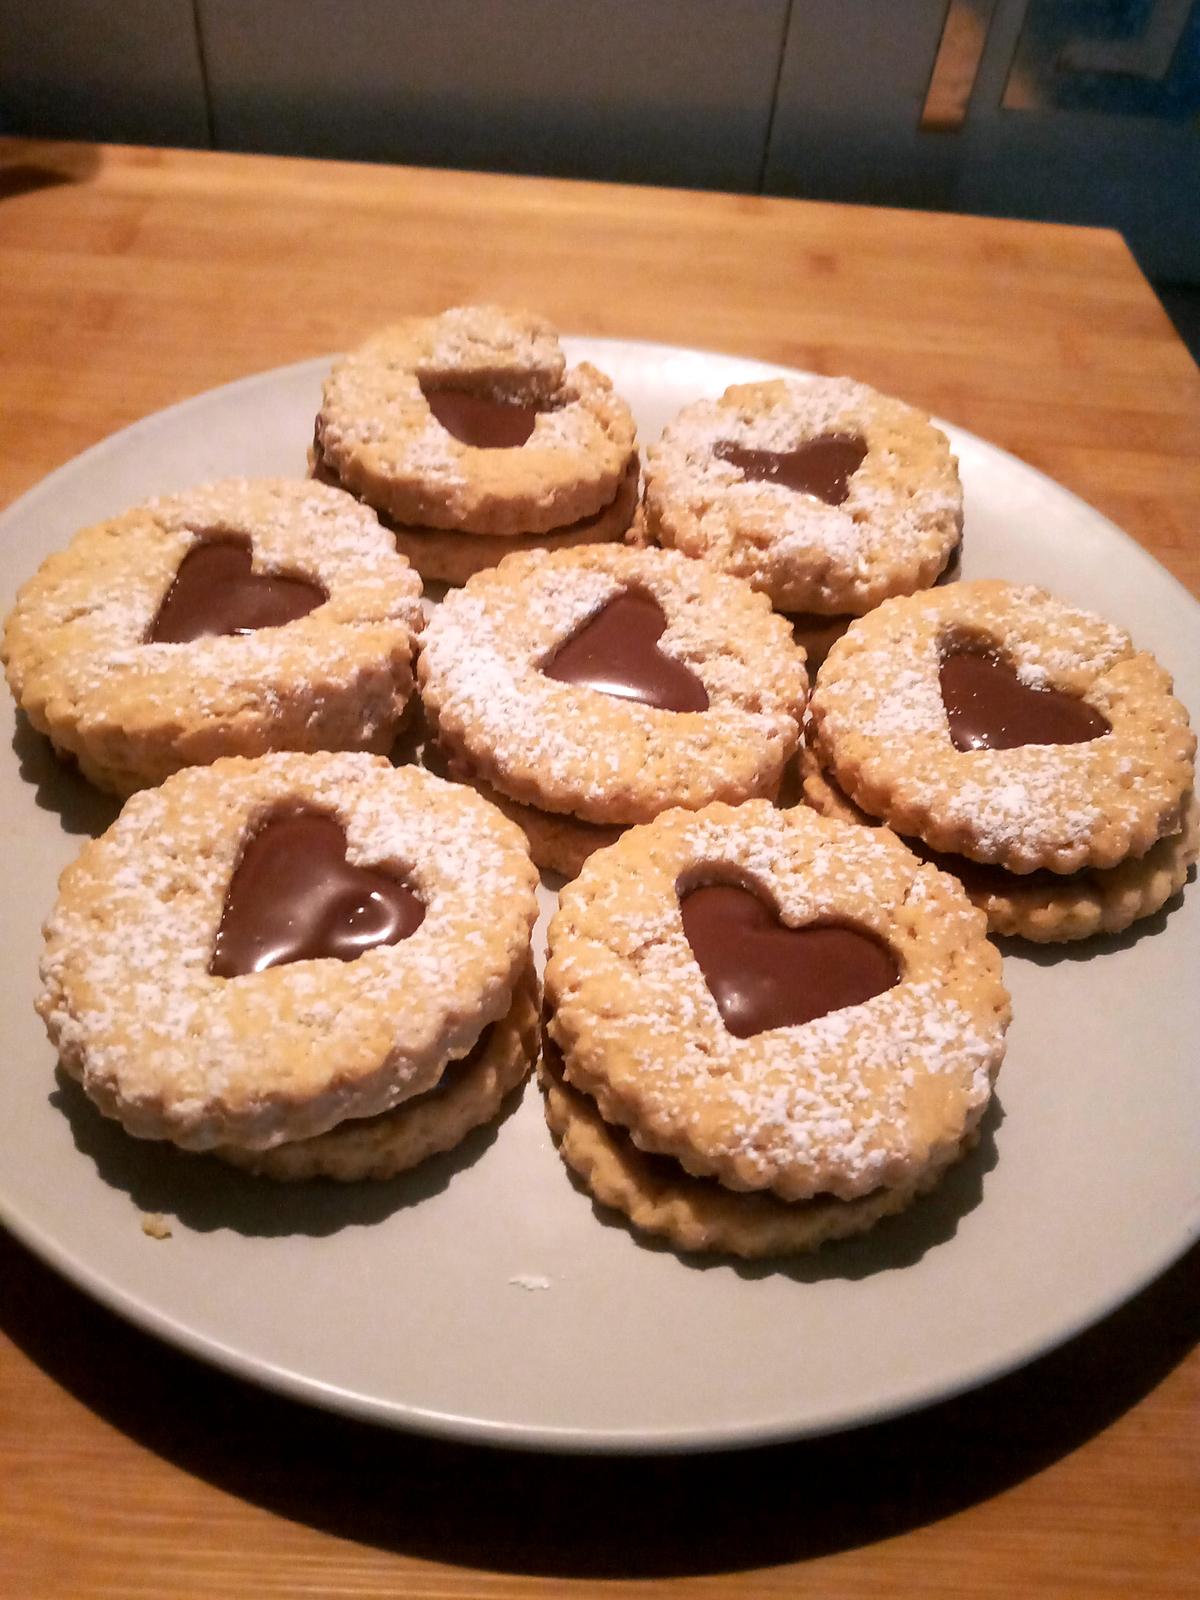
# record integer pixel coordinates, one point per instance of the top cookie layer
(892, 534)
(175, 1052)
(79, 664)
(376, 432)
(882, 728)
(877, 1093)
(562, 747)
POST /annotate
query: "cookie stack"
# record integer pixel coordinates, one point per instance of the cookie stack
(1023, 744)
(766, 1029)
(472, 439)
(312, 965)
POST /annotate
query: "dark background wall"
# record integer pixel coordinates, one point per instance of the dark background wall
(1076, 110)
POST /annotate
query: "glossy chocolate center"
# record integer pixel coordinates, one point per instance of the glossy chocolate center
(765, 975)
(989, 708)
(484, 421)
(822, 467)
(295, 897)
(616, 651)
(214, 592)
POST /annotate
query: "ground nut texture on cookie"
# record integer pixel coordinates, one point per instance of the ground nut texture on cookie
(82, 667)
(172, 1051)
(889, 528)
(877, 1095)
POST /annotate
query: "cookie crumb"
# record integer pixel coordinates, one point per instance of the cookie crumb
(155, 1225)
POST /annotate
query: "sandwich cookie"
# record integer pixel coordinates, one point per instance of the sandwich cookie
(766, 1029)
(1021, 743)
(233, 619)
(586, 690)
(472, 439)
(260, 952)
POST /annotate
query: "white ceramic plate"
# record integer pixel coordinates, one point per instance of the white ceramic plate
(482, 1297)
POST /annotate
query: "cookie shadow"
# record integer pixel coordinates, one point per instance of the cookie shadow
(202, 1194)
(59, 786)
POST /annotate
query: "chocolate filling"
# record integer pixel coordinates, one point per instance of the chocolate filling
(215, 592)
(821, 467)
(763, 974)
(616, 652)
(486, 422)
(988, 707)
(295, 897)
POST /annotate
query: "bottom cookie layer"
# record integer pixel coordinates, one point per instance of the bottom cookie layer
(469, 1094)
(699, 1214)
(444, 555)
(558, 841)
(1044, 907)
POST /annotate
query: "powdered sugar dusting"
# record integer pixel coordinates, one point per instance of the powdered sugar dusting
(374, 404)
(486, 644)
(903, 505)
(468, 339)
(884, 730)
(128, 998)
(92, 606)
(865, 1095)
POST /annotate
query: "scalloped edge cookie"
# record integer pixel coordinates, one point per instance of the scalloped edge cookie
(131, 713)
(881, 728)
(873, 1095)
(376, 433)
(893, 534)
(173, 1052)
(565, 749)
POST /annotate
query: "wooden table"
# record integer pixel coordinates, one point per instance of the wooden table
(132, 278)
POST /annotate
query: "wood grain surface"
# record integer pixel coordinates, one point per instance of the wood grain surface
(133, 278)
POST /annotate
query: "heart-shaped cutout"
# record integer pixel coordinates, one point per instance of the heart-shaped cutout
(295, 897)
(616, 651)
(215, 592)
(821, 467)
(989, 708)
(764, 975)
(484, 421)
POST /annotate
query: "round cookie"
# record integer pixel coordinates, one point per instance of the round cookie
(597, 687)
(821, 492)
(470, 1093)
(786, 1006)
(218, 970)
(997, 723)
(233, 619)
(471, 421)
